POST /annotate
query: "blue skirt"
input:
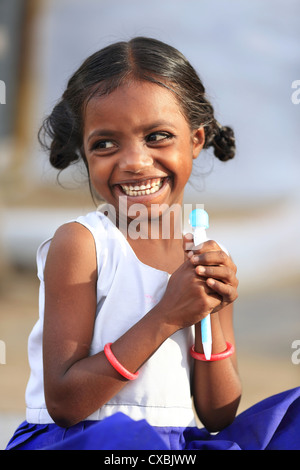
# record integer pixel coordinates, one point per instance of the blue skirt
(272, 424)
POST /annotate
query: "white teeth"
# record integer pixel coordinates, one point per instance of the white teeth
(146, 188)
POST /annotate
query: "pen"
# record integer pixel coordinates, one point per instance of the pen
(200, 222)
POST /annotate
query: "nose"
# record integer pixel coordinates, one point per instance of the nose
(135, 159)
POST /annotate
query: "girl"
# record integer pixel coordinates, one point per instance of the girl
(111, 355)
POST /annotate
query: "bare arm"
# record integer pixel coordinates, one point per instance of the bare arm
(77, 384)
(216, 385)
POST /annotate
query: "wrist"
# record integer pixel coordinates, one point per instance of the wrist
(218, 339)
(163, 324)
(214, 357)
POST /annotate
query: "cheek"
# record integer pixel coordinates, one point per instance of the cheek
(184, 162)
(99, 175)
(181, 155)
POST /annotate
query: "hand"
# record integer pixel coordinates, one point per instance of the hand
(214, 267)
(188, 298)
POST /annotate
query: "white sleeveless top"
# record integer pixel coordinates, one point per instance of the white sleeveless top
(126, 290)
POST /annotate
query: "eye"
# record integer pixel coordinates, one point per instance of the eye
(159, 136)
(102, 145)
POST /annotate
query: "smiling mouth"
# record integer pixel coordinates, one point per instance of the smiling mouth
(146, 187)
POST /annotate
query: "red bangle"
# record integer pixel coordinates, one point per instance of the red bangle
(116, 365)
(214, 357)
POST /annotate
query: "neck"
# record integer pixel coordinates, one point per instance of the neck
(166, 255)
(155, 237)
(158, 223)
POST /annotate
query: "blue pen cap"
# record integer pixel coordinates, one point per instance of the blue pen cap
(199, 218)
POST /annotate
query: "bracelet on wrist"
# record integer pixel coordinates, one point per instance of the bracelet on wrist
(214, 357)
(116, 364)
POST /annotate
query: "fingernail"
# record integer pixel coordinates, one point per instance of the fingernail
(189, 236)
(200, 269)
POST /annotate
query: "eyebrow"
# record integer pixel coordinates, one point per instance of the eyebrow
(101, 132)
(147, 128)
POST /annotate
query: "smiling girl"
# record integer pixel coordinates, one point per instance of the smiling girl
(110, 355)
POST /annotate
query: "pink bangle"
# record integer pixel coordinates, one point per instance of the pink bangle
(116, 365)
(214, 357)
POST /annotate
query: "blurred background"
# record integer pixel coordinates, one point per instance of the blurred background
(247, 54)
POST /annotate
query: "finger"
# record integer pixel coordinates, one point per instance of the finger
(207, 295)
(213, 258)
(221, 273)
(228, 292)
(209, 245)
(188, 242)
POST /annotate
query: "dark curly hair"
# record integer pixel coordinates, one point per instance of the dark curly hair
(140, 58)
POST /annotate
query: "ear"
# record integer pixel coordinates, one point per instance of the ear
(198, 140)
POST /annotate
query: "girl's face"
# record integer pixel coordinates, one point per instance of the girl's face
(139, 145)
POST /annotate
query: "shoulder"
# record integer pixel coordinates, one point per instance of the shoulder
(72, 247)
(73, 236)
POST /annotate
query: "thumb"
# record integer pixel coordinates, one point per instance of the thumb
(188, 243)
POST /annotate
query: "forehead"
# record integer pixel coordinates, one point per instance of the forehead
(135, 100)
